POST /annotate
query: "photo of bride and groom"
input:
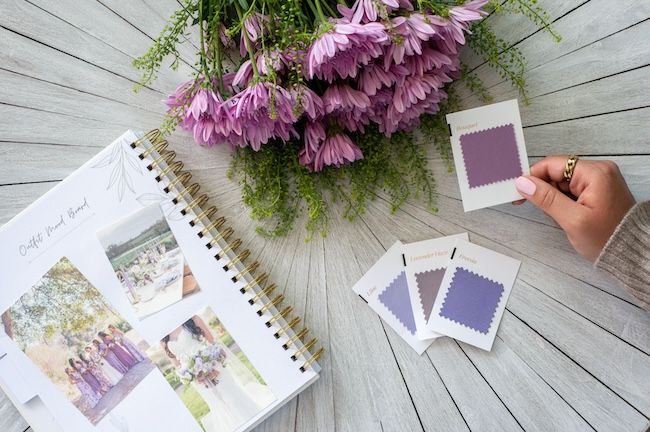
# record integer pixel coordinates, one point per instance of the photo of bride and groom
(211, 374)
(68, 330)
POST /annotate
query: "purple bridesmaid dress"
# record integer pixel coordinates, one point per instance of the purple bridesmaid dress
(121, 354)
(99, 375)
(87, 376)
(112, 359)
(130, 347)
(89, 396)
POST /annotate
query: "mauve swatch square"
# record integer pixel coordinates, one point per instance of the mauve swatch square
(428, 283)
(471, 300)
(491, 155)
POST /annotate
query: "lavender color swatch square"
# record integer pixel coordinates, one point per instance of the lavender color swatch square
(396, 298)
(491, 155)
(428, 284)
(471, 300)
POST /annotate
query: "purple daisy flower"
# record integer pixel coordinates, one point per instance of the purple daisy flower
(336, 150)
(255, 25)
(264, 111)
(340, 50)
(314, 135)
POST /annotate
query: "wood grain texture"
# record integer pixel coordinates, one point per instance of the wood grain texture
(572, 351)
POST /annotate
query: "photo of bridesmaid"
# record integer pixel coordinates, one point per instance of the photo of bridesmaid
(89, 352)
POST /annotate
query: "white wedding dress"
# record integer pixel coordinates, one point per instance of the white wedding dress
(237, 396)
(114, 376)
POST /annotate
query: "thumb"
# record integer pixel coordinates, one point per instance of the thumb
(553, 202)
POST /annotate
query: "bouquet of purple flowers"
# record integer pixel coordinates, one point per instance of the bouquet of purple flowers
(203, 366)
(299, 87)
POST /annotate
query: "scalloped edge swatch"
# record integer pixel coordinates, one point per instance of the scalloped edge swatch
(428, 284)
(395, 297)
(481, 169)
(471, 309)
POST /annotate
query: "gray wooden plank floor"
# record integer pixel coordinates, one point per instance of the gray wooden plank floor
(573, 349)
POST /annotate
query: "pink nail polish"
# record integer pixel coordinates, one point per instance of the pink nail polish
(525, 186)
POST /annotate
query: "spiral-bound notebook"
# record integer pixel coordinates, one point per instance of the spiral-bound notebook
(128, 305)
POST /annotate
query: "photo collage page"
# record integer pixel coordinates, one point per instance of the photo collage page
(94, 356)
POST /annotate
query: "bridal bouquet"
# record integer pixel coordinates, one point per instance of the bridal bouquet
(203, 366)
(323, 98)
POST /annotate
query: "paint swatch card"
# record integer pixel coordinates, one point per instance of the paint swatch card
(385, 289)
(426, 262)
(473, 294)
(489, 153)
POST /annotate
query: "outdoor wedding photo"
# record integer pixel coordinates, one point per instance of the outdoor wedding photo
(147, 260)
(211, 374)
(89, 352)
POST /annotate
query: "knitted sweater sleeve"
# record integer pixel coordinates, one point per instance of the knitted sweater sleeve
(626, 256)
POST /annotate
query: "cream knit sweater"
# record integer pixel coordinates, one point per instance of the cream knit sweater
(626, 256)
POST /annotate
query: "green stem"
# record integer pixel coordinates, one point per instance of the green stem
(321, 16)
(247, 42)
(204, 64)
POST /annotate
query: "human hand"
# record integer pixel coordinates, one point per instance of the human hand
(588, 209)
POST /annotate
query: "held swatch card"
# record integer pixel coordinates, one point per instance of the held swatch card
(473, 294)
(385, 289)
(489, 153)
(425, 266)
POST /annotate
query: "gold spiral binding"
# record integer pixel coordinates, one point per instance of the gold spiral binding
(205, 214)
(222, 235)
(276, 301)
(312, 359)
(295, 337)
(151, 136)
(239, 258)
(167, 156)
(181, 178)
(304, 349)
(265, 292)
(282, 314)
(214, 225)
(246, 270)
(259, 280)
(189, 190)
(196, 202)
(291, 324)
(175, 167)
(231, 246)
(158, 146)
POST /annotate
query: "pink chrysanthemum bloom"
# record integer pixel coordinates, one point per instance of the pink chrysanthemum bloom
(453, 30)
(364, 11)
(351, 121)
(408, 35)
(254, 27)
(308, 102)
(182, 96)
(314, 135)
(342, 97)
(244, 75)
(341, 49)
(430, 59)
(274, 59)
(200, 116)
(264, 111)
(373, 77)
(336, 150)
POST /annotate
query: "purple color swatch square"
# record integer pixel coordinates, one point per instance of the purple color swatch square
(471, 300)
(428, 283)
(396, 298)
(491, 155)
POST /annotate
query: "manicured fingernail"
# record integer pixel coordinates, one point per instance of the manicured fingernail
(525, 186)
